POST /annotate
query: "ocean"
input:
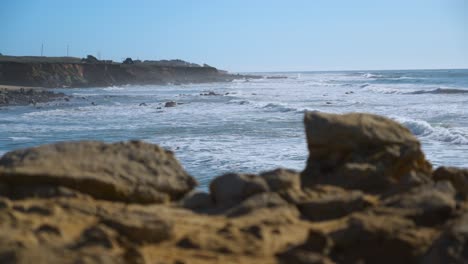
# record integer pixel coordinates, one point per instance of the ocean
(250, 126)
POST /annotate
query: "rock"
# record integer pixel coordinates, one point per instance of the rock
(362, 151)
(230, 189)
(313, 250)
(170, 104)
(282, 179)
(303, 257)
(368, 238)
(255, 202)
(429, 205)
(127, 171)
(196, 200)
(457, 176)
(140, 227)
(452, 245)
(330, 203)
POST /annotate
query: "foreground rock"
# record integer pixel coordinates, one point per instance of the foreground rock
(366, 196)
(129, 172)
(362, 151)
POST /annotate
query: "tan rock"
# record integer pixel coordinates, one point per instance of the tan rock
(132, 171)
(327, 202)
(230, 189)
(282, 179)
(362, 151)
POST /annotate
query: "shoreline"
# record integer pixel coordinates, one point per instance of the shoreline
(18, 95)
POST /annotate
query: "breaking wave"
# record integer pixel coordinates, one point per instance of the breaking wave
(423, 129)
(441, 91)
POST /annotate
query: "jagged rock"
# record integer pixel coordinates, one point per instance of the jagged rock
(457, 176)
(429, 204)
(452, 245)
(282, 179)
(368, 238)
(132, 171)
(170, 104)
(326, 202)
(255, 202)
(230, 189)
(362, 151)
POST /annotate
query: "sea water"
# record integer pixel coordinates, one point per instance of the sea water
(250, 125)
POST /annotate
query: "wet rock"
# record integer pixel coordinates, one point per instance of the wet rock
(170, 104)
(127, 171)
(457, 176)
(429, 205)
(230, 189)
(452, 245)
(362, 151)
(368, 238)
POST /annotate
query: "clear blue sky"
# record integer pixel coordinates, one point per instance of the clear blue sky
(246, 35)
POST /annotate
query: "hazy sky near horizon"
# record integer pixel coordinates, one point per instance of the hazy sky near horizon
(246, 35)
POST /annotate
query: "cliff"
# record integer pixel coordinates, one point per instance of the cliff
(367, 195)
(74, 72)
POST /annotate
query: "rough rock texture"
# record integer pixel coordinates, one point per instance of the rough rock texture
(458, 177)
(131, 172)
(91, 202)
(362, 151)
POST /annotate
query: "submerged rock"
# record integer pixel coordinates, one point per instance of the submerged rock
(170, 104)
(362, 151)
(127, 171)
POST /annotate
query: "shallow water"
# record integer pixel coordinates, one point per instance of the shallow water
(251, 126)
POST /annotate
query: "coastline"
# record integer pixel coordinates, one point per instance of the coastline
(16, 95)
(68, 72)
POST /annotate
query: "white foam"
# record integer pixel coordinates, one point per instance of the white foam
(440, 132)
(20, 138)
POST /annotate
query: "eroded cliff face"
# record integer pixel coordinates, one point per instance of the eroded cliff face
(58, 75)
(369, 197)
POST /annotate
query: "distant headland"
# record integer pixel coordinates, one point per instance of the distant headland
(63, 72)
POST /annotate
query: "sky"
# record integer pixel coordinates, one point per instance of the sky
(245, 35)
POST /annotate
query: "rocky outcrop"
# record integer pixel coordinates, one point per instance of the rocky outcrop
(54, 72)
(362, 151)
(369, 197)
(130, 172)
